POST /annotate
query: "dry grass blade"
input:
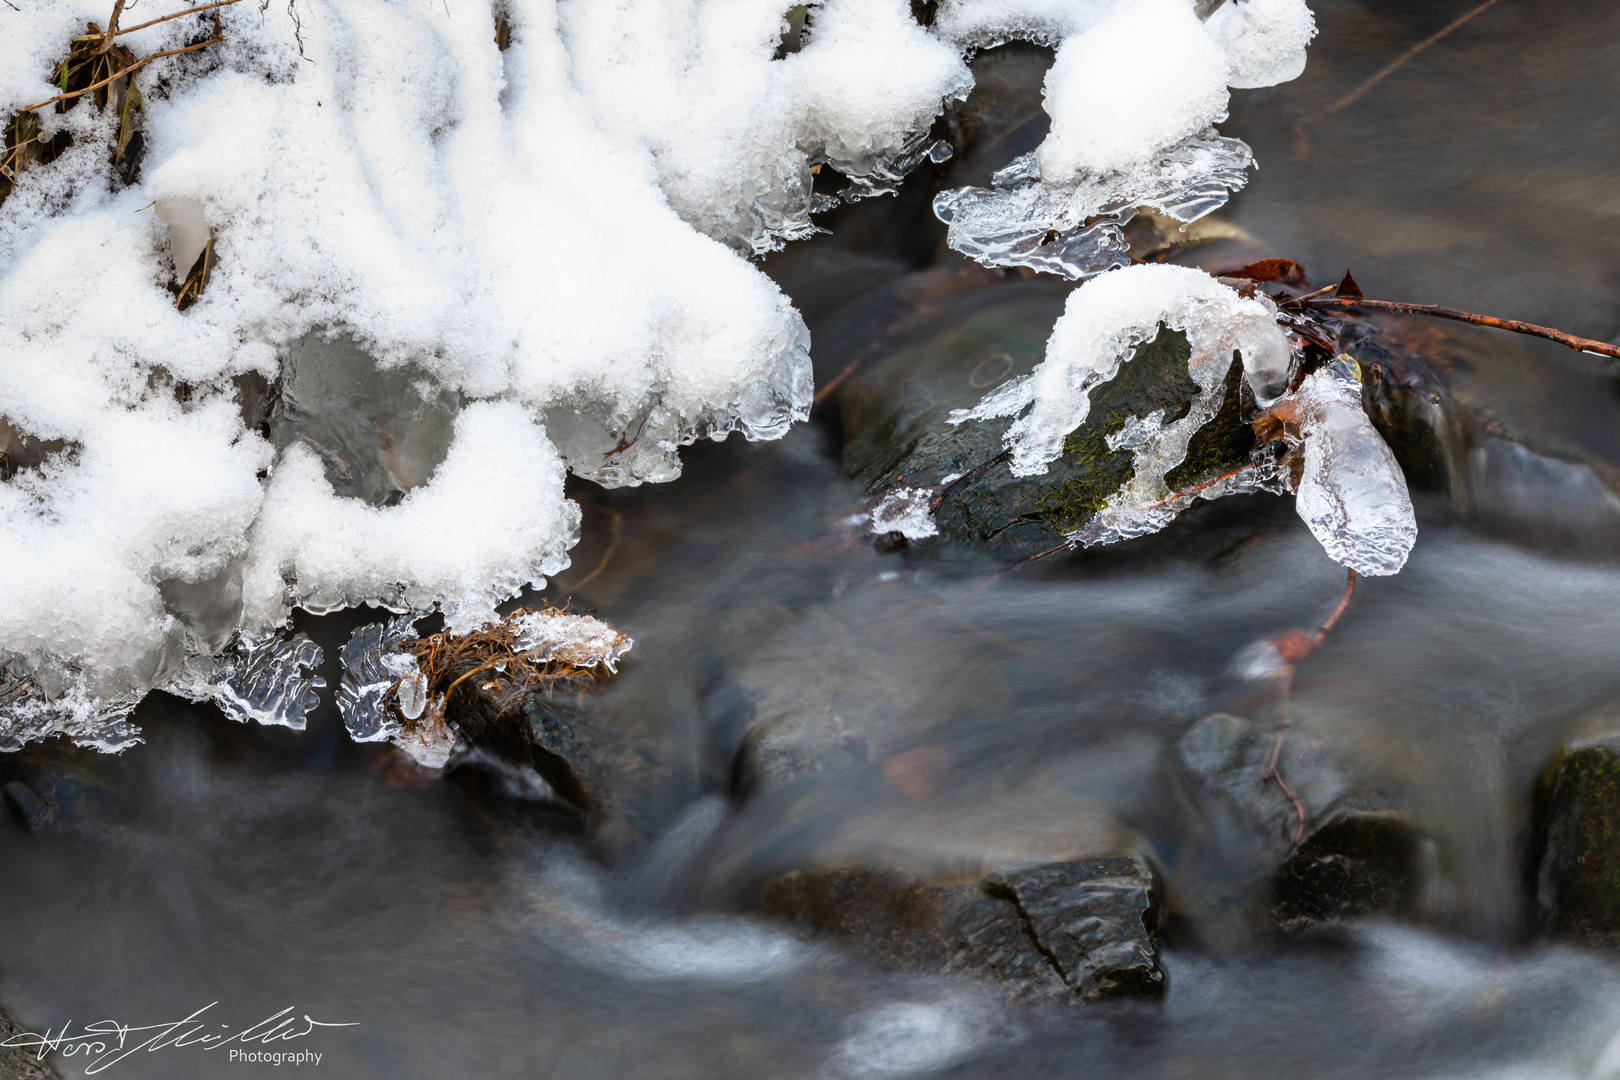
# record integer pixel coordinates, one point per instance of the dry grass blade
(120, 73)
(497, 653)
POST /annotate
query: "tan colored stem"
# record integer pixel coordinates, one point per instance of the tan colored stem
(119, 74)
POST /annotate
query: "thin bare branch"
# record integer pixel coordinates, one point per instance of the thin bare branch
(1579, 344)
(166, 18)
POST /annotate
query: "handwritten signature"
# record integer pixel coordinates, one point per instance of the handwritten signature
(106, 1042)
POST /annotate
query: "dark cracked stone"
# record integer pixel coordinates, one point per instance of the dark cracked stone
(1081, 930)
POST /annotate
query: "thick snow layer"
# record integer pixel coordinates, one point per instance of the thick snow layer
(533, 252)
(1101, 325)
(1134, 93)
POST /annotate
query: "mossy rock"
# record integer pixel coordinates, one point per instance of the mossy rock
(1578, 875)
(896, 432)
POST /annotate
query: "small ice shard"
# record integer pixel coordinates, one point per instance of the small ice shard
(264, 680)
(1351, 492)
(413, 695)
(369, 661)
(429, 744)
(188, 232)
(907, 511)
(582, 641)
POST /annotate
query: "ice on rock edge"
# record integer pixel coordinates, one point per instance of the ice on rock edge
(383, 694)
(546, 235)
(1124, 134)
(1351, 492)
(1101, 325)
(583, 641)
(908, 511)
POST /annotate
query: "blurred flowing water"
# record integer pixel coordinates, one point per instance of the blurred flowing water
(988, 717)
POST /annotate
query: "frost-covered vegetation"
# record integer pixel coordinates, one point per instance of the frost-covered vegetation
(468, 248)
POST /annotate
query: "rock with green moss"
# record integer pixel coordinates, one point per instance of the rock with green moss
(897, 433)
(1578, 873)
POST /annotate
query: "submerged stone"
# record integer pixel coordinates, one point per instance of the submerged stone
(1577, 880)
(1241, 873)
(1081, 930)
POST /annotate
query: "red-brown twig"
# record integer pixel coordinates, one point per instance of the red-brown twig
(1579, 344)
(120, 73)
(1303, 646)
(165, 18)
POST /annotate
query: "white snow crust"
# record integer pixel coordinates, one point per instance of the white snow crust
(537, 249)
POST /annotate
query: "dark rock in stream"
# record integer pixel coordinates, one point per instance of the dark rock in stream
(1359, 855)
(581, 761)
(896, 433)
(1577, 875)
(1082, 930)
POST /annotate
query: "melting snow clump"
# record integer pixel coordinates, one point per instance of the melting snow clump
(447, 270)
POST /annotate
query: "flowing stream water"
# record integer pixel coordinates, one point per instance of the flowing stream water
(467, 927)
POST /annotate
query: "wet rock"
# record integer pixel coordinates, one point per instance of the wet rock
(565, 746)
(1082, 930)
(896, 432)
(1240, 871)
(1577, 874)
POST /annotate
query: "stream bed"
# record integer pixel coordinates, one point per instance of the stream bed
(962, 716)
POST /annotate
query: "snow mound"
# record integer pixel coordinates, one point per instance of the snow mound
(460, 269)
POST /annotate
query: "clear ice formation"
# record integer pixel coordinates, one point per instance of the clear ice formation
(373, 663)
(1351, 493)
(1122, 138)
(440, 285)
(1076, 230)
(262, 681)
